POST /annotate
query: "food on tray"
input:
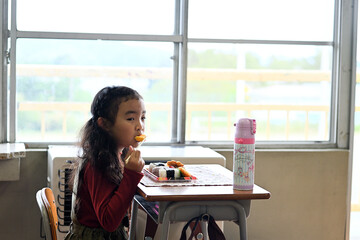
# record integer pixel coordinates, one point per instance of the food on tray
(140, 138)
(170, 173)
(153, 165)
(156, 171)
(184, 172)
(174, 163)
(170, 170)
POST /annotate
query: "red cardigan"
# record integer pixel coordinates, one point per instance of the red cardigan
(103, 204)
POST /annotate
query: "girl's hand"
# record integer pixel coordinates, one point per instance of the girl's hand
(135, 163)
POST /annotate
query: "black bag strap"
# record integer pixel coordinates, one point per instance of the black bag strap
(214, 231)
(183, 232)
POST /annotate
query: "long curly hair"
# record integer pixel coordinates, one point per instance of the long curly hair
(97, 146)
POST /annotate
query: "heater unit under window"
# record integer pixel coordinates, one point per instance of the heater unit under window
(59, 172)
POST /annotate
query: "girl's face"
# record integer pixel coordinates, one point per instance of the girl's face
(129, 123)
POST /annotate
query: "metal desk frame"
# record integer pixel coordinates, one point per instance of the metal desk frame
(221, 210)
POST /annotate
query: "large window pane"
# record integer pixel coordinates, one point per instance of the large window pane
(105, 16)
(285, 88)
(262, 19)
(57, 80)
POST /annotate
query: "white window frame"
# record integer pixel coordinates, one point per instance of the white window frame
(3, 70)
(344, 43)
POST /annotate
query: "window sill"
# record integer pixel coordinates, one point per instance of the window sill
(10, 154)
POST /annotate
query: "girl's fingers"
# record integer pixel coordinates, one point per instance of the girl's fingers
(141, 161)
(135, 162)
(137, 154)
(131, 149)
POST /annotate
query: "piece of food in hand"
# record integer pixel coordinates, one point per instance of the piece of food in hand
(184, 172)
(140, 138)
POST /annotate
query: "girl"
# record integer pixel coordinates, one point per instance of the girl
(103, 184)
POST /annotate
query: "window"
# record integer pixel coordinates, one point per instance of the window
(268, 62)
(57, 77)
(200, 66)
(90, 16)
(285, 88)
(57, 80)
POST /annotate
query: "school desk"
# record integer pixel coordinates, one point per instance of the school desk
(211, 193)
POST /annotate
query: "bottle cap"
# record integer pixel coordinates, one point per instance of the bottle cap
(246, 123)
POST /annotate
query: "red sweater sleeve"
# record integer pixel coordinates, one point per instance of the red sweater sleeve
(109, 201)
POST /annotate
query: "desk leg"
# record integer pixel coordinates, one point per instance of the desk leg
(134, 211)
(242, 223)
(204, 230)
(165, 230)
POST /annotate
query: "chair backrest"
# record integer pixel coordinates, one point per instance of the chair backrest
(44, 216)
(47, 205)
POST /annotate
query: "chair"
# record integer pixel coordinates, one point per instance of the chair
(46, 201)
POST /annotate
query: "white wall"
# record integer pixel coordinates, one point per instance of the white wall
(308, 195)
(19, 212)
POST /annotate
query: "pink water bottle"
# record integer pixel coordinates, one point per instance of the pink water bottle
(244, 154)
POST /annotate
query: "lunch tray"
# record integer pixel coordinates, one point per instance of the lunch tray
(161, 179)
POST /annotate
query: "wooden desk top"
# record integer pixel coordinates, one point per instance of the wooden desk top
(200, 193)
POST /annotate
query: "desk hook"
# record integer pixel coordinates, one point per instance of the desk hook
(205, 217)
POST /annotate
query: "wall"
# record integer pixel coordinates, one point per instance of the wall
(19, 212)
(308, 196)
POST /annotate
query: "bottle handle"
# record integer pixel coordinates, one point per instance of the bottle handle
(253, 126)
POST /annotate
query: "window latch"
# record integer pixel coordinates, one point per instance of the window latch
(7, 56)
